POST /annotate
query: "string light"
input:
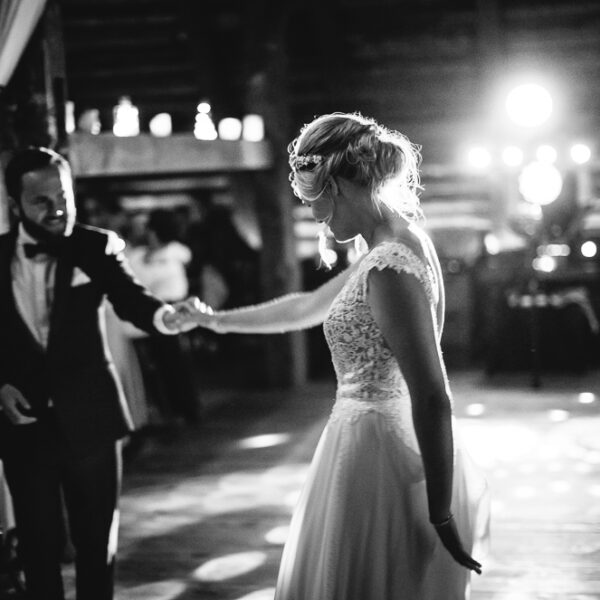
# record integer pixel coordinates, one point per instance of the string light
(204, 129)
(126, 118)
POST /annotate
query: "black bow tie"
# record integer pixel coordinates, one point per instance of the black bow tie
(33, 250)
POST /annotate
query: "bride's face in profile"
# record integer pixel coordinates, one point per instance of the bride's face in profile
(341, 207)
(324, 210)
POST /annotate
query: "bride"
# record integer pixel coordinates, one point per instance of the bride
(392, 508)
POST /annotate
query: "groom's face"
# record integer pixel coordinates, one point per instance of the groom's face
(47, 202)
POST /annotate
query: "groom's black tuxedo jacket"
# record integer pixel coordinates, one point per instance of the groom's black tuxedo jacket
(75, 371)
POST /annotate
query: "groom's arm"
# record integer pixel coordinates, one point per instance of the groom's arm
(100, 254)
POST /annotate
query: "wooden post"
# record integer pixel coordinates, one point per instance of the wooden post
(32, 104)
(266, 68)
(55, 75)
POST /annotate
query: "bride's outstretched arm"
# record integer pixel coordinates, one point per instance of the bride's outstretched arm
(291, 312)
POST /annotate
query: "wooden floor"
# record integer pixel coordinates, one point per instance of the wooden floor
(204, 510)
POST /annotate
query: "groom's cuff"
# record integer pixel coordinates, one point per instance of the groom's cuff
(158, 322)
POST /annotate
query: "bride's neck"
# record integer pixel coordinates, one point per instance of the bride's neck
(387, 228)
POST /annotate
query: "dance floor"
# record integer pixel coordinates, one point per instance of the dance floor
(204, 509)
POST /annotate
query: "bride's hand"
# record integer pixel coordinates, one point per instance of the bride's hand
(448, 534)
(192, 312)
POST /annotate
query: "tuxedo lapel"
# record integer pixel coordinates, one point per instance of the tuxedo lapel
(6, 253)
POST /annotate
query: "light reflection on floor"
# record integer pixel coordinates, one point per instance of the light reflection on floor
(169, 590)
(227, 567)
(264, 441)
(220, 531)
(266, 594)
(542, 462)
(278, 535)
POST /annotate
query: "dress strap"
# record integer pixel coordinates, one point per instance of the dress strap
(402, 259)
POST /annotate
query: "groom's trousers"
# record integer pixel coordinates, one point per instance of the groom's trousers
(42, 474)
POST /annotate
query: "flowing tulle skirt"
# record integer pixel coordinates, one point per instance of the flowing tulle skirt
(361, 530)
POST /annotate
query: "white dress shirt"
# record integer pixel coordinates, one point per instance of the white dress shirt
(33, 287)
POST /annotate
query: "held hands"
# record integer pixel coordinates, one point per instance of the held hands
(448, 534)
(13, 404)
(188, 314)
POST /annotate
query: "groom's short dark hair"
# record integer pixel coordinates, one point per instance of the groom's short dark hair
(24, 161)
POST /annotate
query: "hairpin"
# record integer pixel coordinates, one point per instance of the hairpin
(305, 160)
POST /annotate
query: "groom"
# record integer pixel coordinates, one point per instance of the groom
(62, 406)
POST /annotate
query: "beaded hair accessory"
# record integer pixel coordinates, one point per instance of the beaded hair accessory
(305, 160)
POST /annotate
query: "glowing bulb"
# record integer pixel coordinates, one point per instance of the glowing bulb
(230, 129)
(253, 128)
(546, 154)
(479, 157)
(529, 105)
(161, 125)
(204, 128)
(580, 153)
(126, 118)
(512, 156)
(589, 249)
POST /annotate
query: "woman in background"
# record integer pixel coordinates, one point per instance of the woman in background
(161, 266)
(392, 508)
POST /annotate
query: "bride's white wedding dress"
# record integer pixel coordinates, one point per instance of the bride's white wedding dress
(361, 529)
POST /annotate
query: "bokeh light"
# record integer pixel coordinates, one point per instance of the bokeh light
(230, 129)
(545, 264)
(253, 128)
(580, 153)
(529, 105)
(161, 125)
(540, 183)
(586, 398)
(589, 249)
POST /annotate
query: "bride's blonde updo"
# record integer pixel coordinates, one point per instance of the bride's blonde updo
(357, 148)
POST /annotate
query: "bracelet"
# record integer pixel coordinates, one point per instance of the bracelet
(444, 522)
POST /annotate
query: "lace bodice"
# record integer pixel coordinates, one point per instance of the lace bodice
(368, 375)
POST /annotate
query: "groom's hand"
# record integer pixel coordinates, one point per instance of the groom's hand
(14, 404)
(185, 314)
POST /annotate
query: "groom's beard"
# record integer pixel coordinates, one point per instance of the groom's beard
(38, 232)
